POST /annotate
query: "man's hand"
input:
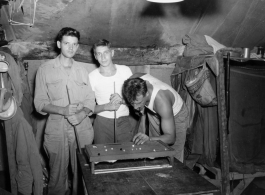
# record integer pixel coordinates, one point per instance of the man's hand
(70, 109)
(140, 138)
(80, 106)
(87, 111)
(111, 107)
(76, 118)
(116, 99)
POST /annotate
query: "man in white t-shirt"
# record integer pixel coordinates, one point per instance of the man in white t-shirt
(106, 81)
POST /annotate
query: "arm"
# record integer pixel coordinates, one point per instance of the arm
(79, 116)
(41, 98)
(86, 106)
(163, 107)
(64, 111)
(106, 107)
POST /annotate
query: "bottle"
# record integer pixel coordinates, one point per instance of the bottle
(260, 51)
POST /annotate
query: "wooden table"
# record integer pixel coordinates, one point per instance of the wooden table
(168, 181)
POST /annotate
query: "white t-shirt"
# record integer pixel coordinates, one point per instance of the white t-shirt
(104, 86)
(159, 85)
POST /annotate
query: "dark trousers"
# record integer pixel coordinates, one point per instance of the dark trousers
(104, 130)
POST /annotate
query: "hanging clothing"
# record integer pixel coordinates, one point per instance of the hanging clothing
(29, 175)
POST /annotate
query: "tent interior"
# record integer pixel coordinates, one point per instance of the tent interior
(168, 41)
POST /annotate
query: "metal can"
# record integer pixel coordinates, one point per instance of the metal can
(246, 53)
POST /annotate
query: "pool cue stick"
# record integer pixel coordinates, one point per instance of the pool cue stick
(114, 118)
(76, 134)
(77, 141)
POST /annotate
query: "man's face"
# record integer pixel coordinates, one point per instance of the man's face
(139, 103)
(68, 46)
(104, 54)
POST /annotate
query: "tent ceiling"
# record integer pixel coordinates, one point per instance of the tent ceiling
(139, 23)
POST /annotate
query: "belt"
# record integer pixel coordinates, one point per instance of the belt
(55, 116)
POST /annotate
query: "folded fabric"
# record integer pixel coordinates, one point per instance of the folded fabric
(216, 45)
(200, 88)
(196, 45)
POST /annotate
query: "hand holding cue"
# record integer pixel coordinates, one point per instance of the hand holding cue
(76, 135)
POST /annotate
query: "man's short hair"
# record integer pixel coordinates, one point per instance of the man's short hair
(101, 42)
(132, 88)
(67, 31)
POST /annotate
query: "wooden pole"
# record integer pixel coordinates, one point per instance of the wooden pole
(114, 119)
(76, 134)
(126, 56)
(222, 116)
(77, 141)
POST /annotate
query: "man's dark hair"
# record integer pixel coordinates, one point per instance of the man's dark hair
(67, 31)
(101, 42)
(132, 88)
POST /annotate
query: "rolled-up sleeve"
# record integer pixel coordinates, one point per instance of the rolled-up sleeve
(41, 98)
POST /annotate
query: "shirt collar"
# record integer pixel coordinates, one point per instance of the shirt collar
(57, 63)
